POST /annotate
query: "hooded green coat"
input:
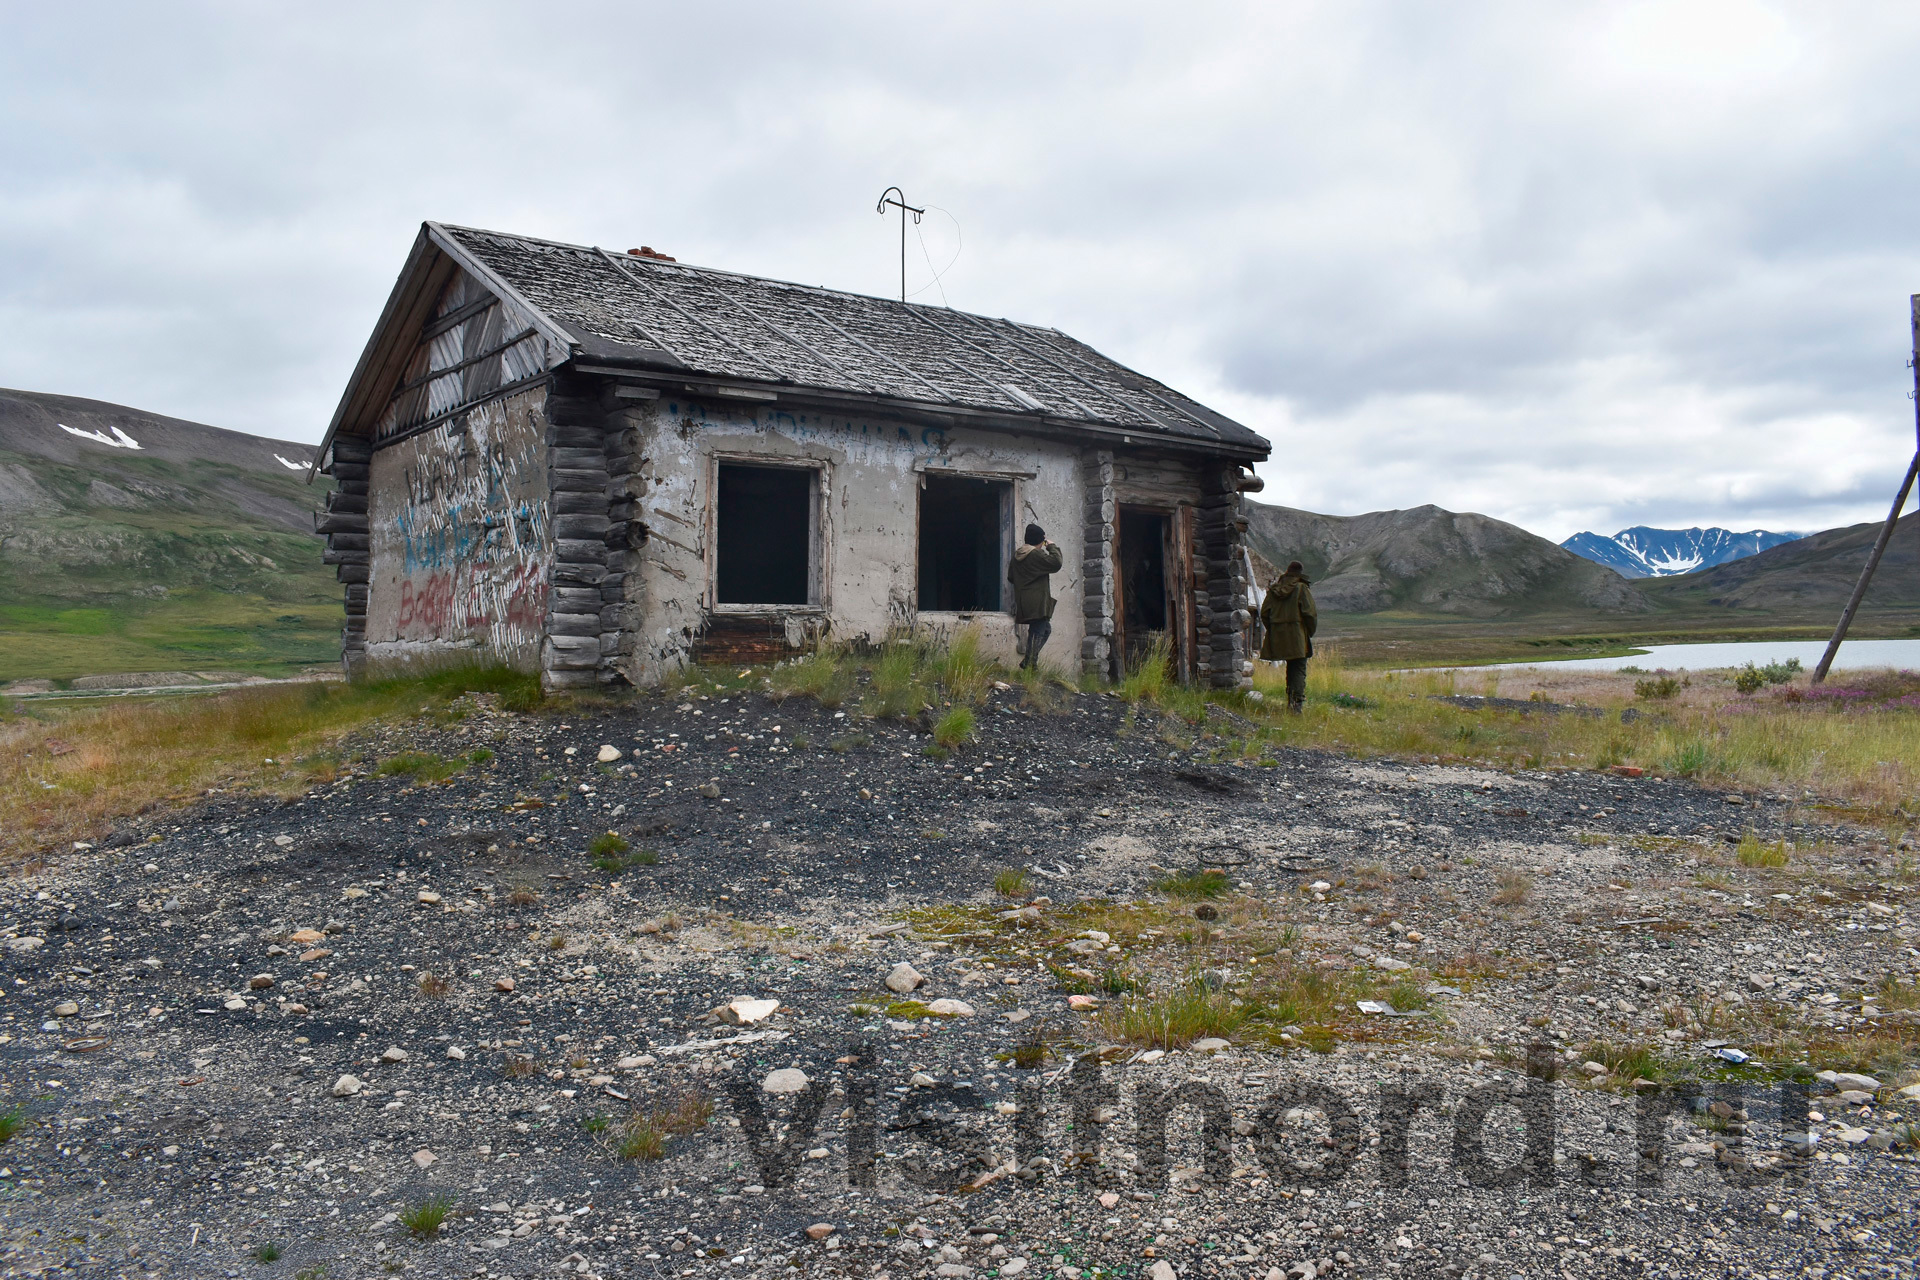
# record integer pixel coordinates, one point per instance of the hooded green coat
(1290, 619)
(1029, 571)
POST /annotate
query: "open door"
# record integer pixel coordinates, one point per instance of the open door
(1145, 611)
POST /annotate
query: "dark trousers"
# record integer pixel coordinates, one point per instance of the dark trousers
(1296, 682)
(1037, 633)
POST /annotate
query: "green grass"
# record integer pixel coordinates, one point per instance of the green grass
(1012, 882)
(609, 844)
(199, 630)
(898, 688)
(825, 675)
(424, 1217)
(1192, 886)
(266, 1252)
(419, 766)
(1755, 852)
(596, 1123)
(647, 1135)
(963, 672)
(1173, 1018)
(954, 728)
(12, 1121)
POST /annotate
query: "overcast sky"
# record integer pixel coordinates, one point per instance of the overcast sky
(1574, 266)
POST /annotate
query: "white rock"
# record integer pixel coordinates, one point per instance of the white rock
(65, 1009)
(903, 978)
(741, 1013)
(635, 1062)
(283, 841)
(609, 753)
(348, 1085)
(234, 1005)
(426, 897)
(1210, 1044)
(785, 1080)
(394, 1053)
(921, 1080)
(455, 1052)
(424, 1157)
(18, 945)
(1160, 1270)
(1013, 1266)
(951, 1008)
(1390, 965)
(1844, 1080)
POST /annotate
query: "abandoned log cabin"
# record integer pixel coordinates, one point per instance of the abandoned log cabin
(607, 465)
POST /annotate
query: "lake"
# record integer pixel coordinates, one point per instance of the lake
(1854, 655)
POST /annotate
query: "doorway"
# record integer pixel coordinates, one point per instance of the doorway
(1145, 606)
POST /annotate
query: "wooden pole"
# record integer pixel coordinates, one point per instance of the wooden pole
(1893, 516)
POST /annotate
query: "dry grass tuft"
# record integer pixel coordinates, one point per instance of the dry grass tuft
(126, 756)
(1512, 888)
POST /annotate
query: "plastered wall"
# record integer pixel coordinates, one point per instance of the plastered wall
(868, 537)
(462, 538)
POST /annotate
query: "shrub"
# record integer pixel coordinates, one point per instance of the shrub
(1012, 882)
(424, 1217)
(1748, 680)
(519, 1067)
(1688, 759)
(1656, 688)
(1193, 885)
(432, 984)
(954, 728)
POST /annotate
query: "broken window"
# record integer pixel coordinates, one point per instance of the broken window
(965, 542)
(765, 544)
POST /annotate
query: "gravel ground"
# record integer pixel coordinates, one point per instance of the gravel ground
(256, 1023)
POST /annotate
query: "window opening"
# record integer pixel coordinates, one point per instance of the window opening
(964, 543)
(764, 541)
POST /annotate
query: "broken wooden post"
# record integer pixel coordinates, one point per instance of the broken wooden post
(1893, 516)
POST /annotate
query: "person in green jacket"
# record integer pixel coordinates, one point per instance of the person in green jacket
(1290, 619)
(1034, 561)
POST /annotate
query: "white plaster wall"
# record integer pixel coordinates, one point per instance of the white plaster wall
(869, 528)
(462, 539)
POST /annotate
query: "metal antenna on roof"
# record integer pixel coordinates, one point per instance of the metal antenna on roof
(905, 209)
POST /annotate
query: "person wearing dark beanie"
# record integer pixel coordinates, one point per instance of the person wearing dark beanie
(1034, 562)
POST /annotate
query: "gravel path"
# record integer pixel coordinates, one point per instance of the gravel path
(259, 1024)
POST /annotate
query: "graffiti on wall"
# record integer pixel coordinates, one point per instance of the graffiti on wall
(462, 535)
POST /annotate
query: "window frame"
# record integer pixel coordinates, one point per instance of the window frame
(1009, 518)
(818, 493)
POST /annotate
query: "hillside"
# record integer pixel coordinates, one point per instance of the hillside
(1811, 576)
(1641, 552)
(135, 542)
(1434, 562)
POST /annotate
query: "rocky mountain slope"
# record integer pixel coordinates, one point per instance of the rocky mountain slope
(1426, 560)
(133, 541)
(1641, 552)
(1811, 575)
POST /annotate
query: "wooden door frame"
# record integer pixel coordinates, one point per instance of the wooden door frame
(1176, 572)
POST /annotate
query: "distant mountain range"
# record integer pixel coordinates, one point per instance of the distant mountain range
(1641, 552)
(130, 541)
(1431, 565)
(1429, 561)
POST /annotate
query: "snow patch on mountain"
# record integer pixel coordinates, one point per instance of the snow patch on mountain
(1641, 552)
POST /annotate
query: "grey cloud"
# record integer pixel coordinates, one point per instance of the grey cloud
(1574, 266)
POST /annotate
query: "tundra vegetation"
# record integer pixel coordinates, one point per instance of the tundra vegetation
(69, 768)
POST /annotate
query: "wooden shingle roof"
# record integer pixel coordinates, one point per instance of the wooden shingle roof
(657, 315)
